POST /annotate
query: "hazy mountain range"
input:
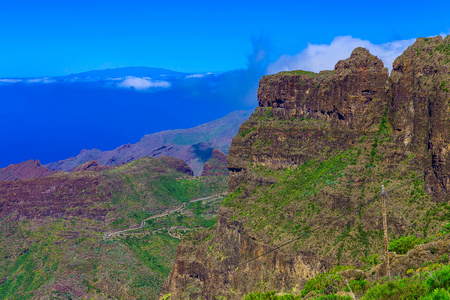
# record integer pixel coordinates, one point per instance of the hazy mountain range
(52, 118)
(193, 145)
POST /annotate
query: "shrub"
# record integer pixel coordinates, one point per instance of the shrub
(326, 283)
(445, 229)
(358, 286)
(438, 294)
(403, 289)
(403, 244)
(443, 259)
(439, 279)
(333, 297)
(270, 296)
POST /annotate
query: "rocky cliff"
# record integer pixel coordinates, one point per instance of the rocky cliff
(307, 167)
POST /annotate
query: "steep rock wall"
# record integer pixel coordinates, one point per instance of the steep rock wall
(419, 112)
(305, 171)
(350, 100)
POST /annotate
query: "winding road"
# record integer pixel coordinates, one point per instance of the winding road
(167, 212)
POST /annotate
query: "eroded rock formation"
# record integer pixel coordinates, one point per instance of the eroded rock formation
(307, 167)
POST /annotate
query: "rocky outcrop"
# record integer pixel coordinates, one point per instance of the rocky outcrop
(307, 167)
(176, 164)
(216, 165)
(92, 166)
(194, 145)
(351, 100)
(25, 170)
(414, 259)
(419, 112)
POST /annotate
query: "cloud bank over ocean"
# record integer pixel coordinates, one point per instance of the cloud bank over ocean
(142, 83)
(316, 58)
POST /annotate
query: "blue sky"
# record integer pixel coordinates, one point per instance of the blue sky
(51, 38)
(238, 41)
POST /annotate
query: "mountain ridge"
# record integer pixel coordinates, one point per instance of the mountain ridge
(193, 145)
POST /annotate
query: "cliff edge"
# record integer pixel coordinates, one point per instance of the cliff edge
(307, 168)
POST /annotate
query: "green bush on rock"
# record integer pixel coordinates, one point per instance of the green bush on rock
(403, 244)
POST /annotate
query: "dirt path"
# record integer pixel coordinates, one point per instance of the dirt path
(167, 212)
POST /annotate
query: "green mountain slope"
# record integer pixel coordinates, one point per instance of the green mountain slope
(62, 252)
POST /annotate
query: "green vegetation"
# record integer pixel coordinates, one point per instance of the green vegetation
(299, 72)
(401, 289)
(293, 189)
(435, 285)
(443, 86)
(51, 258)
(404, 244)
(149, 191)
(444, 48)
(244, 133)
(273, 296)
(325, 283)
(432, 285)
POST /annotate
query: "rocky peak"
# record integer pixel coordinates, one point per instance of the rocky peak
(360, 59)
(24, 170)
(353, 95)
(351, 100)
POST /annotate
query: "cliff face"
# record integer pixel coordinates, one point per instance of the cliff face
(349, 101)
(419, 112)
(306, 168)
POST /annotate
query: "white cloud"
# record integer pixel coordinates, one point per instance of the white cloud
(41, 80)
(195, 76)
(142, 83)
(7, 80)
(324, 57)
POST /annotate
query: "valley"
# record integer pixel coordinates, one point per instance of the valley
(54, 243)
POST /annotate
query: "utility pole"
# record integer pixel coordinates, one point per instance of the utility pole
(383, 203)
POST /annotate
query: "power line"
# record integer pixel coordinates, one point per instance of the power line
(328, 223)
